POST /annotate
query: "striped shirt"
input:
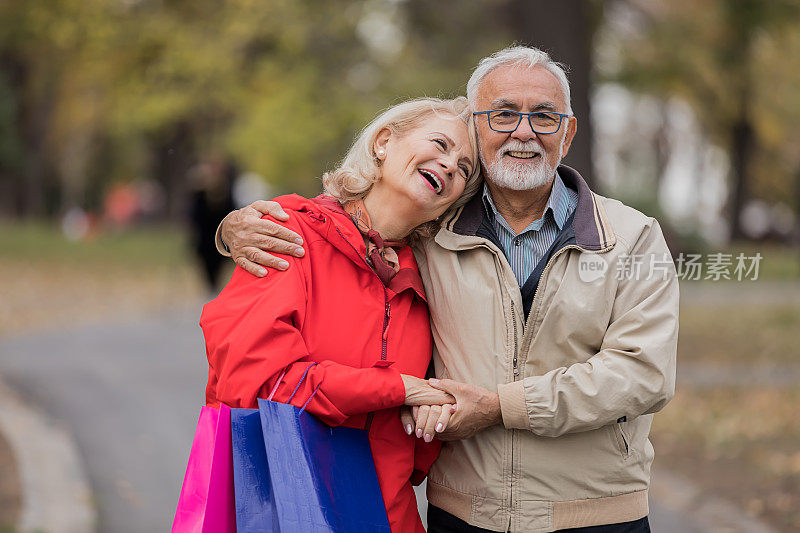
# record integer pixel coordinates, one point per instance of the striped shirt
(525, 249)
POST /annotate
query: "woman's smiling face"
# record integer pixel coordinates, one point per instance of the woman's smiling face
(428, 165)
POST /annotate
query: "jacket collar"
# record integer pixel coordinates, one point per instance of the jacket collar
(592, 229)
(331, 222)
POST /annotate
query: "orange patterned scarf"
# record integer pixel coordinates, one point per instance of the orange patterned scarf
(380, 253)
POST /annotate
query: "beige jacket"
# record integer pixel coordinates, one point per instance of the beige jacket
(578, 380)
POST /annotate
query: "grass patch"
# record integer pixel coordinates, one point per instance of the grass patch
(746, 334)
(52, 282)
(778, 262)
(42, 242)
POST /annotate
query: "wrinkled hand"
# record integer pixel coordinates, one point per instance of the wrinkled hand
(249, 237)
(426, 420)
(419, 392)
(478, 409)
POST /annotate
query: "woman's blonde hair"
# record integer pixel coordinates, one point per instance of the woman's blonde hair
(361, 169)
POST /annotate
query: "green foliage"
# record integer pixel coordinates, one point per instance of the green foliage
(731, 60)
(281, 86)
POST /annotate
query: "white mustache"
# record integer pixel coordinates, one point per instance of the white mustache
(519, 146)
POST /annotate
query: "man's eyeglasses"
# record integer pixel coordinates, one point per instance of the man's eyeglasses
(506, 121)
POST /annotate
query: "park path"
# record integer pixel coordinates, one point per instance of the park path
(130, 394)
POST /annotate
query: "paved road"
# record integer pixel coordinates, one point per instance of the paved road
(131, 393)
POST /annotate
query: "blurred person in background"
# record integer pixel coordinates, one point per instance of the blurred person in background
(557, 356)
(211, 197)
(347, 326)
(121, 205)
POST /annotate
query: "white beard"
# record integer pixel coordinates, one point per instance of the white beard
(518, 175)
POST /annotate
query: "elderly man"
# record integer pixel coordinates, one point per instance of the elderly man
(555, 317)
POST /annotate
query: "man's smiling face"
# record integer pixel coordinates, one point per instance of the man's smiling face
(522, 160)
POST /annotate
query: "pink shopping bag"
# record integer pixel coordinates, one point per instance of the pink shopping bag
(206, 503)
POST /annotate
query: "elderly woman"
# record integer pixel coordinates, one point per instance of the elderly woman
(354, 304)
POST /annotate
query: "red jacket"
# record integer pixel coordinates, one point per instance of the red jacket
(331, 308)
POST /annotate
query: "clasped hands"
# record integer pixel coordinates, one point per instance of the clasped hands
(447, 409)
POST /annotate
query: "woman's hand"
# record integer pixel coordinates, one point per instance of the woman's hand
(419, 392)
(426, 420)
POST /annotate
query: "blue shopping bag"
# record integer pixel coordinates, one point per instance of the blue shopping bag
(255, 506)
(323, 479)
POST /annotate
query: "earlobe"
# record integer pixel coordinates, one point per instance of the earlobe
(572, 129)
(380, 144)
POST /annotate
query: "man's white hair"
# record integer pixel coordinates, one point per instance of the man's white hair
(523, 56)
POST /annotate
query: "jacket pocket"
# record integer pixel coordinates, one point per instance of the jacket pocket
(623, 442)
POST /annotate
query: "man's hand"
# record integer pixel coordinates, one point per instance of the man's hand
(248, 237)
(419, 392)
(478, 409)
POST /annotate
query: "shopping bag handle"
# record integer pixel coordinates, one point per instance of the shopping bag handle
(301, 382)
(280, 378)
(309, 399)
(277, 383)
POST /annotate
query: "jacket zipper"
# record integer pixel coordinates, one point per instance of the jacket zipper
(387, 314)
(515, 366)
(514, 320)
(515, 361)
(513, 431)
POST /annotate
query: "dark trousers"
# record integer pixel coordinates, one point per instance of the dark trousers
(440, 521)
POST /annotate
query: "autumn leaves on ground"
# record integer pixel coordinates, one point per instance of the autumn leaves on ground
(731, 428)
(49, 282)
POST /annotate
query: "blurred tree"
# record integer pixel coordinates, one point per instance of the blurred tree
(10, 146)
(94, 92)
(493, 24)
(724, 72)
(566, 30)
(49, 52)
